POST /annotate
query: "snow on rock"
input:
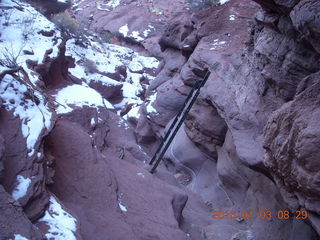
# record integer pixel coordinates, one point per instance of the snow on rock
(107, 5)
(21, 32)
(93, 122)
(150, 108)
(21, 40)
(35, 117)
(122, 124)
(22, 187)
(232, 17)
(124, 30)
(217, 44)
(122, 207)
(100, 58)
(148, 30)
(79, 96)
(133, 113)
(146, 62)
(224, 1)
(63, 1)
(76, 3)
(61, 224)
(140, 174)
(19, 237)
(105, 59)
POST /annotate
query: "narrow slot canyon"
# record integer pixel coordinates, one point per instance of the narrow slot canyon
(89, 89)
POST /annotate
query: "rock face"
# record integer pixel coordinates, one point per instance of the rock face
(14, 220)
(305, 19)
(208, 135)
(291, 137)
(92, 175)
(74, 118)
(256, 68)
(138, 24)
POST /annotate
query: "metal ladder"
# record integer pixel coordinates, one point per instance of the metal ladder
(176, 124)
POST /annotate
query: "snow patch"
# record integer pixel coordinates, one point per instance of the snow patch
(217, 44)
(76, 3)
(142, 150)
(110, 5)
(61, 224)
(150, 108)
(146, 62)
(21, 38)
(96, 61)
(35, 117)
(124, 30)
(123, 124)
(21, 30)
(135, 35)
(133, 113)
(148, 30)
(22, 187)
(79, 96)
(106, 58)
(140, 174)
(232, 17)
(123, 208)
(224, 1)
(92, 122)
(19, 237)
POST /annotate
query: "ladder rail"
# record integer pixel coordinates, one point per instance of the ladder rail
(172, 126)
(173, 135)
(176, 124)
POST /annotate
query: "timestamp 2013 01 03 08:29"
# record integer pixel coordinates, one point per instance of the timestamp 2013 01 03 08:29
(263, 214)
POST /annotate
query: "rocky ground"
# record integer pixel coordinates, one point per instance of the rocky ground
(88, 88)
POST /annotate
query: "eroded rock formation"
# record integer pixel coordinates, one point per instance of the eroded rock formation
(253, 73)
(79, 120)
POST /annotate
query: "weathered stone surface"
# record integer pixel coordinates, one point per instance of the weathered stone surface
(227, 156)
(1, 154)
(112, 93)
(252, 75)
(93, 183)
(205, 127)
(145, 21)
(173, 61)
(17, 162)
(306, 19)
(52, 7)
(54, 72)
(175, 34)
(291, 139)
(13, 220)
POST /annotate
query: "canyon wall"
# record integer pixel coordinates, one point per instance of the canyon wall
(80, 120)
(256, 118)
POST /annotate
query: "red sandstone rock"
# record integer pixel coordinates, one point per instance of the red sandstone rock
(92, 163)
